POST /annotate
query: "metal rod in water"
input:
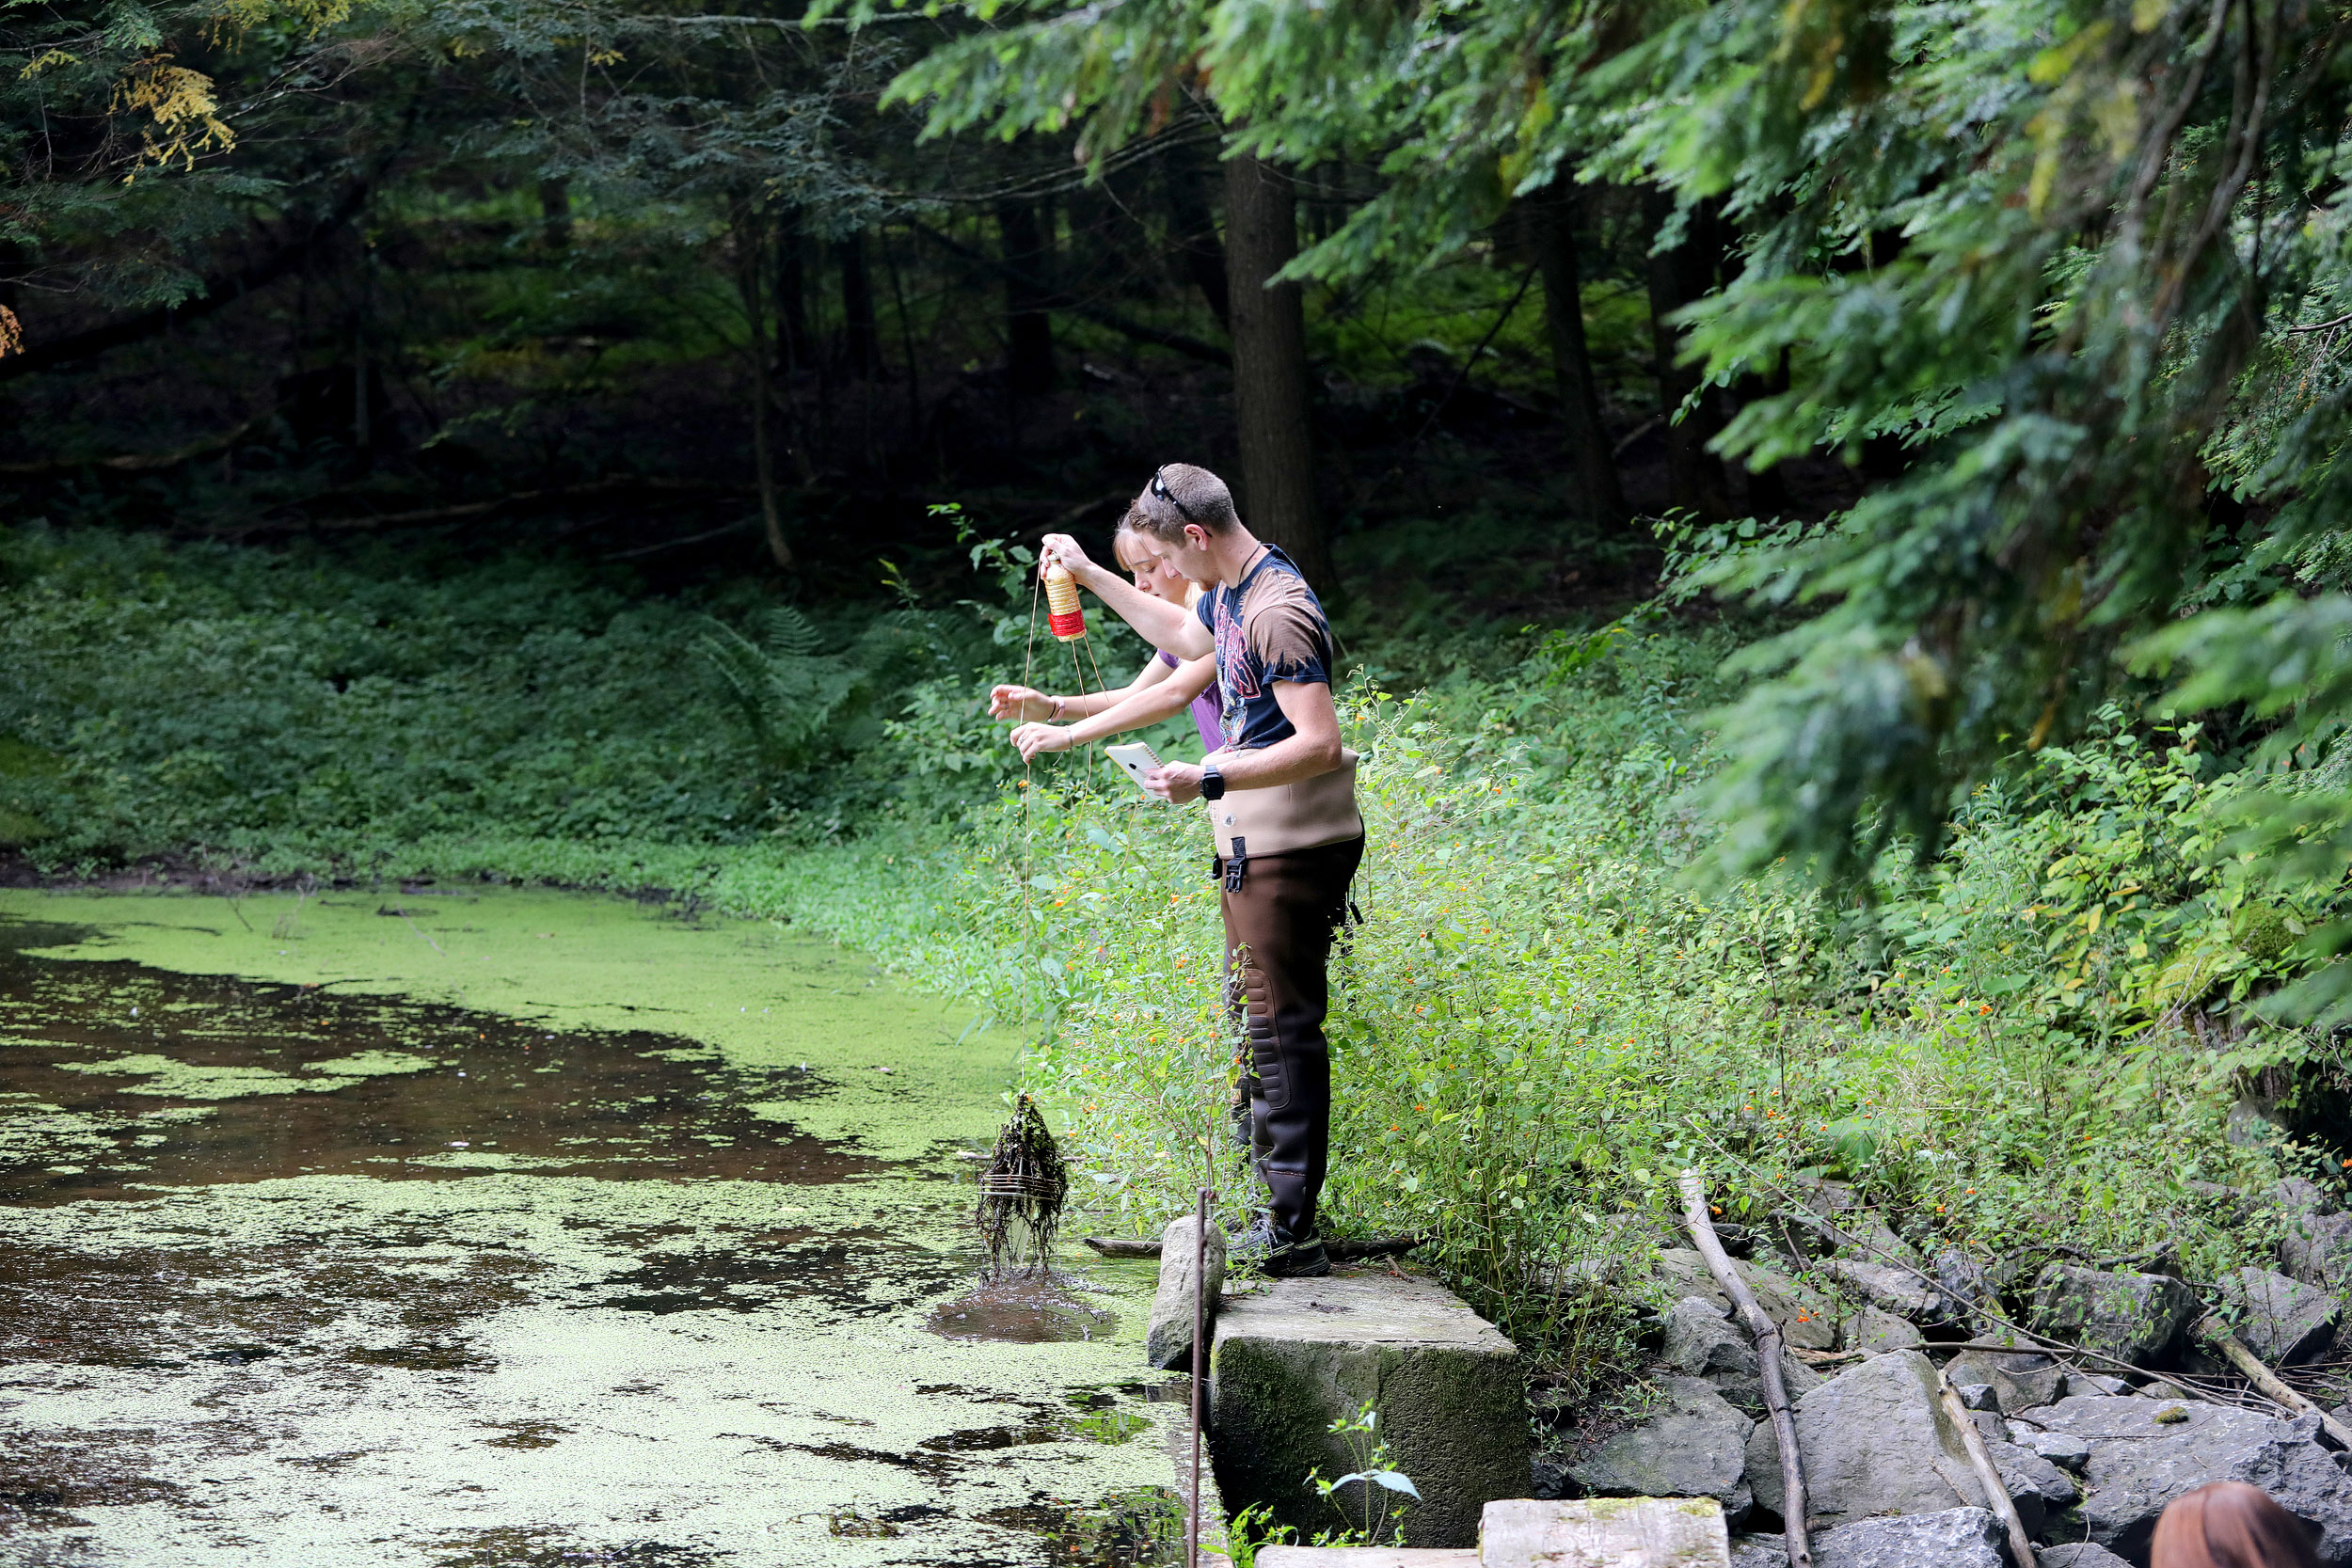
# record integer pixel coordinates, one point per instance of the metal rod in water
(1199, 1272)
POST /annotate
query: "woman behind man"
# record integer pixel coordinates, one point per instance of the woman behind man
(1162, 687)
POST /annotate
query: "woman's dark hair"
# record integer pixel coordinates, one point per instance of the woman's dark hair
(2230, 1525)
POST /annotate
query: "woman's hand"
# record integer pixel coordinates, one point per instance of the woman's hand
(1019, 702)
(1033, 739)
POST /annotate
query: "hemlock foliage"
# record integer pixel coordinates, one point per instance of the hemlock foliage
(2084, 263)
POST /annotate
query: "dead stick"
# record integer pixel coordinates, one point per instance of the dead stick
(1996, 1490)
(2268, 1381)
(1767, 1352)
(1199, 1276)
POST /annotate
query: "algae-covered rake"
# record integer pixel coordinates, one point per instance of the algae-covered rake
(1021, 1189)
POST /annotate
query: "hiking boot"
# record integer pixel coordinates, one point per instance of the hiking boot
(1275, 1253)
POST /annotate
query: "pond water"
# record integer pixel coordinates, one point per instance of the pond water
(474, 1227)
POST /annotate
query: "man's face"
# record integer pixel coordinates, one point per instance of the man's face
(1189, 555)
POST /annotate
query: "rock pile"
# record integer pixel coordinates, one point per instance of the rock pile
(2090, 1448)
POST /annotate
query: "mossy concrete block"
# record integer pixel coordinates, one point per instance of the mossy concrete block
(1292, 1357)
(1605, 1533)
(1366, 1557)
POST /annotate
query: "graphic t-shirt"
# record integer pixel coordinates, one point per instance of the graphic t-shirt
(1270, 629)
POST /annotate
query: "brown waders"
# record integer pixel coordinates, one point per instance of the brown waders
(1279, 921)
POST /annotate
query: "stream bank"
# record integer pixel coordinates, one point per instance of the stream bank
(478, 1227)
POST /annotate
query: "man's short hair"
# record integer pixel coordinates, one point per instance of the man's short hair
(1179, 494)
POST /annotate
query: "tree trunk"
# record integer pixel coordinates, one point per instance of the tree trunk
(1270, 395)
(1694, 476)
(861, 341)
(792, 343)
(751, 282)
(906, 337)
(555, 211)
(1599, 495)
(1197, 253)
(1028, 330)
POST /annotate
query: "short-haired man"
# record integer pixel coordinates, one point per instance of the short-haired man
(1281, 799)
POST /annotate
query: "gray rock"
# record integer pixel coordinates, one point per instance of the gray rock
(2079, 1553)
(1951, 1538)
(1746, 1390)
(1877, 1332)
(1899, 1291)
(2096, 1382)
(2248, 1124)
(1807, 1319)
(2139, 1464)
(2281, 1320)
(1701, 1340)
(2294, 1196)
(1875, 1441)
(2062, 1449)
(1167, 1340)
(2022, 1379)
(1977, 1396)
(2028, 1474)
(1759, 1551)
(1547, 1475)
(1965, 1280)
(1693, 1445)
(1849, 1227)
(2132, 1317)
(2317, 1250)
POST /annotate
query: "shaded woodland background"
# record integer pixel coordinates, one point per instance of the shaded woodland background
(690, 301)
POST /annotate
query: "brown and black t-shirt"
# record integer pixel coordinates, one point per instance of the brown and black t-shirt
(1269, 628)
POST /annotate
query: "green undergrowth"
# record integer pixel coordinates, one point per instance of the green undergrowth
(2029, 1046)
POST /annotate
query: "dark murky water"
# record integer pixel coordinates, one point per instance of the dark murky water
(294, 1275)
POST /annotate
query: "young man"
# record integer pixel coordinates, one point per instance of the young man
(1281, 799)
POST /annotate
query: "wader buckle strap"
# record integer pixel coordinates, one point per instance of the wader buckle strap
(1237, 865)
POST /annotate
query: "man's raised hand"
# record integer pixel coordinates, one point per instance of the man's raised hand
(1061, 548)
(1019, 702)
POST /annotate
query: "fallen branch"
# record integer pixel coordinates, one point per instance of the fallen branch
(140, 462)
(1996, 1490)
(1767, 1352)
(2268, 1381)
(2041, 1345)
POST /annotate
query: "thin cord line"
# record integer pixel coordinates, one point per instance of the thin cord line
(1029, 654)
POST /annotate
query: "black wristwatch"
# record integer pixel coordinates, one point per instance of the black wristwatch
(1212, 784)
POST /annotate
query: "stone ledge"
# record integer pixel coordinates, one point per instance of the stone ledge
(1366, 1557)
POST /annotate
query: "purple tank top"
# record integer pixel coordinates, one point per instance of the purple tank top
(1206, 713)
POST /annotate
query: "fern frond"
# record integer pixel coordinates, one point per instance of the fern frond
(788, 631)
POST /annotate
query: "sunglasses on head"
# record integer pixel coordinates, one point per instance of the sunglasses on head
(1160, 489)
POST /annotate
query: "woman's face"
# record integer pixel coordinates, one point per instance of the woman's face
(1152, 574)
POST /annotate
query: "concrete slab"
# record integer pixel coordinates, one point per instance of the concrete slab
(1292, 1355)
(1366, 1557)
(1605, 1533)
